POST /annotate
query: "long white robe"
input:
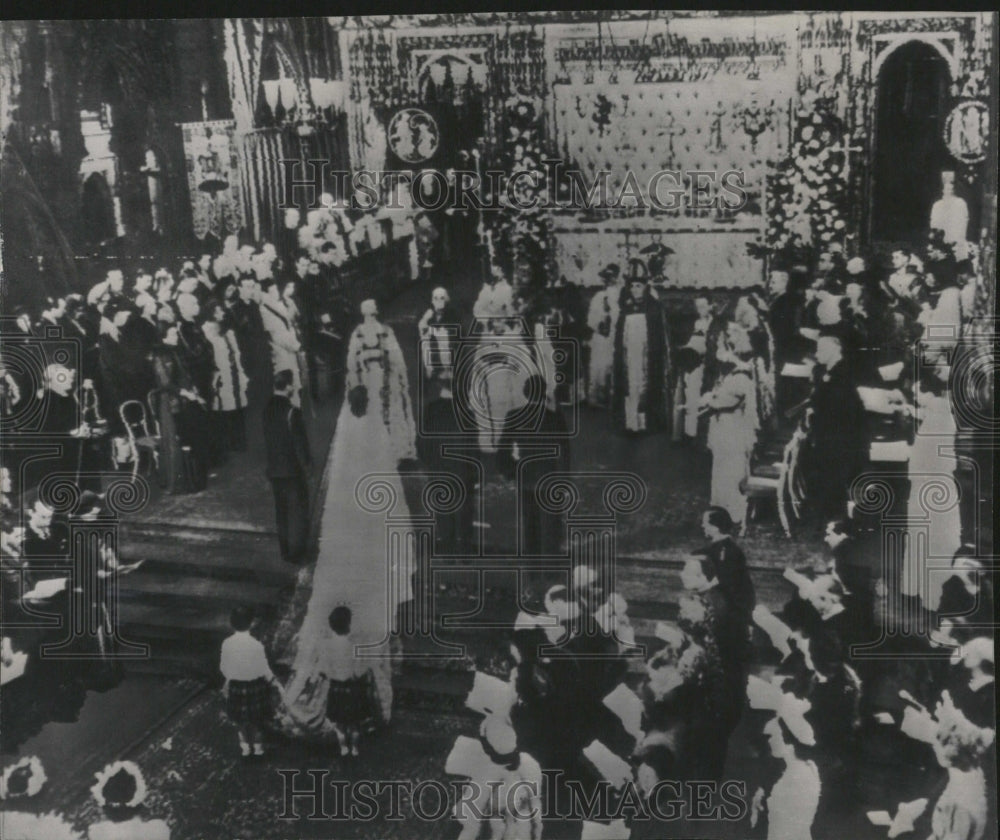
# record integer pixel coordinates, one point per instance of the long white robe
(603, 314)
(635, 342)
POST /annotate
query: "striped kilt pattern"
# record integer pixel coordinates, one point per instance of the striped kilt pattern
(348, 702)
(249, 701)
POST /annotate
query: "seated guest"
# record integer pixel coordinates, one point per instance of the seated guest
(901, 282)
(791, 805)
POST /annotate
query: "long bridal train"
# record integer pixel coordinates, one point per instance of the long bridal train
(352, 568)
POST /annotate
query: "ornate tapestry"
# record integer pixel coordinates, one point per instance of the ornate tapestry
(716, 100)
(213, 171)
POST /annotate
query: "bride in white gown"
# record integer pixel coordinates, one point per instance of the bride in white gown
(352, 568)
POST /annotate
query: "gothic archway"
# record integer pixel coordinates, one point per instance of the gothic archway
(911, 105)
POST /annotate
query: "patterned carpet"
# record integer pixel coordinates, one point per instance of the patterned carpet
(204, 791)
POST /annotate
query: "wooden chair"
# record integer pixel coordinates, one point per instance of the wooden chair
(141, 439)
(779, 479)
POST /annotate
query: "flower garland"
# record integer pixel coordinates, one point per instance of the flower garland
(807, 195)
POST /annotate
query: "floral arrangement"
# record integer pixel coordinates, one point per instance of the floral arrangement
(523, 233)
(807, 192)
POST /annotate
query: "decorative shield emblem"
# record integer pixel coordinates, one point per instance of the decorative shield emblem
(966, 130)
(414, 135)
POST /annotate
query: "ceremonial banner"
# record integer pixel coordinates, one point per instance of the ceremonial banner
(212, 165)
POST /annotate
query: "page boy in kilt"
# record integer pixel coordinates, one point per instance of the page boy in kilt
(348, 704)
(248, 677)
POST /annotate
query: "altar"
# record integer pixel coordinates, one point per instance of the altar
(705, 257)
(787, 103)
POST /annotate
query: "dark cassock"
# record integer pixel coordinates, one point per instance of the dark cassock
(858, 565)
(81, 325)
(439, 330)
(526, 430)
(723, 634)
(642, 364)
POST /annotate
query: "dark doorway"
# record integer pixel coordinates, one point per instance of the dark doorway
(97, 211)
(911, 106)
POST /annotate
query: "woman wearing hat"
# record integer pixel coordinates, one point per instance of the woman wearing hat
(120, 790)
(642, 364)
(790, 806)
(508, 787)
(23, 780)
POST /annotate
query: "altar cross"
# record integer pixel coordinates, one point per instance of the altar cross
(670, 129)
(845, 147)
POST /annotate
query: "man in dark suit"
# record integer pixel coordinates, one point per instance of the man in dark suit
(309, 289)
(538, 424)
(837, 420)
(288, 461)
